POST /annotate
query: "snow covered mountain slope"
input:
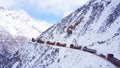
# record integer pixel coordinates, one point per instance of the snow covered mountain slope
(20, 52)
(19, 23)
(34, 55)
(95, 25)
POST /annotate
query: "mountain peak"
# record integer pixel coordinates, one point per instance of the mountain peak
(19, 23)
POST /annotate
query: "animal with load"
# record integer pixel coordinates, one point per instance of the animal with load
(111, 58)
(75, 47)
(89, 50)
(60, 44)
(51, 43)
(40, 41)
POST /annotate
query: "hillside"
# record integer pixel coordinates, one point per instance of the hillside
(95, 25)
(19, 23)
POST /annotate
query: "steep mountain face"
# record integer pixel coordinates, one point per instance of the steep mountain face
(19, 23)
(95, 25)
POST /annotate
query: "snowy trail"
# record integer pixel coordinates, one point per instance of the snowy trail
(80, 50)
(84, 56)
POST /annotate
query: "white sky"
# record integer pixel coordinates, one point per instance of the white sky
(55, 7)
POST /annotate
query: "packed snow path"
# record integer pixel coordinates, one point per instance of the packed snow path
(93, 54)
(81, 49)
